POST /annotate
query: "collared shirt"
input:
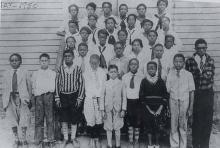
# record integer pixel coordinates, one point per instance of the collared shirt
(122, 63)
(79, 60)
(132, 93)
(43, 81)
(180, 86)
(198, 61)
(205, 79)
(133, 33)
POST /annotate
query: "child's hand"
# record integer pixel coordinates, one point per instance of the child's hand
(58, 104)
(158, 112)
(122, 114)
(104, 115)
(189, 113)
(3, 113)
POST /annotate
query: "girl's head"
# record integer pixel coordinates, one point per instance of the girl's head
(84, 33)
(141, 9)
(123, 10)
(158, 50)
(94, 61)
(137, 45)
(83, 49)
(169, 41)
(15, 60)
(133, 65)
(152, 68)
(102, 36)
(131, 19)
(107, 7)
(73, 10)
(152, 36)
(70, 42)
(113, 71)
(73, 26)
(162, 5)
(110, 23)
(147, 25)
(91, 8)
(122, 35)
(92, 19)
(165, 22)
(119, 49)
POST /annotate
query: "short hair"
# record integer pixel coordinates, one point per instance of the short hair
(82, 44)
(91, 4)
(123, 30)
(200, 41)
(169, 36)
(158, 44)
(44, 55)
(86, 29)
(118, 42)
(145, 21)
(135, 17)
(110, 4)
(103, 31)
(95, 56)
(74, 22)
(153, 32)
(133, 59)
(142, 4)
(112, 67)
(159, 1)
(110, 18)
(93, 15)
(165, 17)
(68, 51)
(73, 5)
(71, 37)
(179, 55)
(137, 40)
(152, 62)
(17, 55)
(123, 5)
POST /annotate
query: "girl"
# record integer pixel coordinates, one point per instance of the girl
(110, 25)
(113, 105)
(152, 40)
(123, 38)
(153, 97)
(92, 24)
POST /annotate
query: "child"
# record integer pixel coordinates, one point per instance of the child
(16, 96)
(123, 38)
(146, 25)
(110, 25)
(153, 97)
(141, 11)
(123, 10)
(43, 84)
(94, 80)
(152, 41)
(119, 59)
(131, 82)
(70, 91)
(113, 105)
(85, 37)
(180, 85)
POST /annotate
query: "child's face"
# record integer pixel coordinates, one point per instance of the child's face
(113, 73)
(44, 62)
(162, 6)
(83, 50)
(70, 42)
(141, 10)
(152, 37)
(94, 63)
(84, 34)
(102, 39)
(15, 62)
(72, 28)
(136, 46)
(169, 42)
(147, 26)
(165, 23)
(110, 25)
(201, 49)
(122, 36)
(119, 50)
(178, 63)
(131, 21)
(151, 69)
(123, 11)
(133, 66)
(158, 52)
(107, 9)
(92, 21)
(73, 11)
(68, 58)
(90, 10)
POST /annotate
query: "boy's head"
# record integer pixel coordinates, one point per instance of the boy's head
(91, 8)
(165, 22)
(92, 19)
(169, 41)
(73, 26)
(71, 42)
(123, 10)
(102, 36)
(113, 71)
(110, 23)
(152, 36)
(73, 10)
(44, 59)
(137, 45)
(107, 7)
(131, 19)
(152, 68)
(200, 47)
(84, 33)
(141, 9)
(15, 60)
(119, 49)
(68, 57)
(147, 25)
(133, 65)
(158, 51)
(179, 61)
(162, 5)
(94, 61)
(122, 35)
(82, 49)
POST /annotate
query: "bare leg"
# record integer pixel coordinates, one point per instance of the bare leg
(118, 138)
(149, 139)
(109, 138)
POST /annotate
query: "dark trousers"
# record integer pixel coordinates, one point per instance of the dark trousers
(44, 109)
(202, 118)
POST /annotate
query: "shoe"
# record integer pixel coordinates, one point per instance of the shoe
(76, 143)
(97, 143)
(131, 145)
(136, 144)
(156, 146)
(150, 146)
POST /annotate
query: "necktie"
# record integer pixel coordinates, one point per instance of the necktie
(132, 82)
(159, 68)
(93, 37)
(201, 64)
(111, 40)
(178, 73)
(122, 24)
(131, 33)
(152, 54)
(102, 58)
(14, 82)
(83, 64)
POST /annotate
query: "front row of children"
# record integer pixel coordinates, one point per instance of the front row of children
(143, 99)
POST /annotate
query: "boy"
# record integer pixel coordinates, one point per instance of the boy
(43, 85)
(110, 26)
(94, 80)
(131, 82)
(180, 85)
(113, 105)
(16, 96)
(123, 10)
(70, 91)
(146, 25)
(152, 41)
(141, 11)
(123, 38)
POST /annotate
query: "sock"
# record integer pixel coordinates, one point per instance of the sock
(65, 130)
(118, 138)
(136, 134)
(109, 138)
(131, 134)
(15, 132)
(73, 131)
(24, 130)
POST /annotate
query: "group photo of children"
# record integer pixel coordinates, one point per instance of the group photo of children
(116, 78)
